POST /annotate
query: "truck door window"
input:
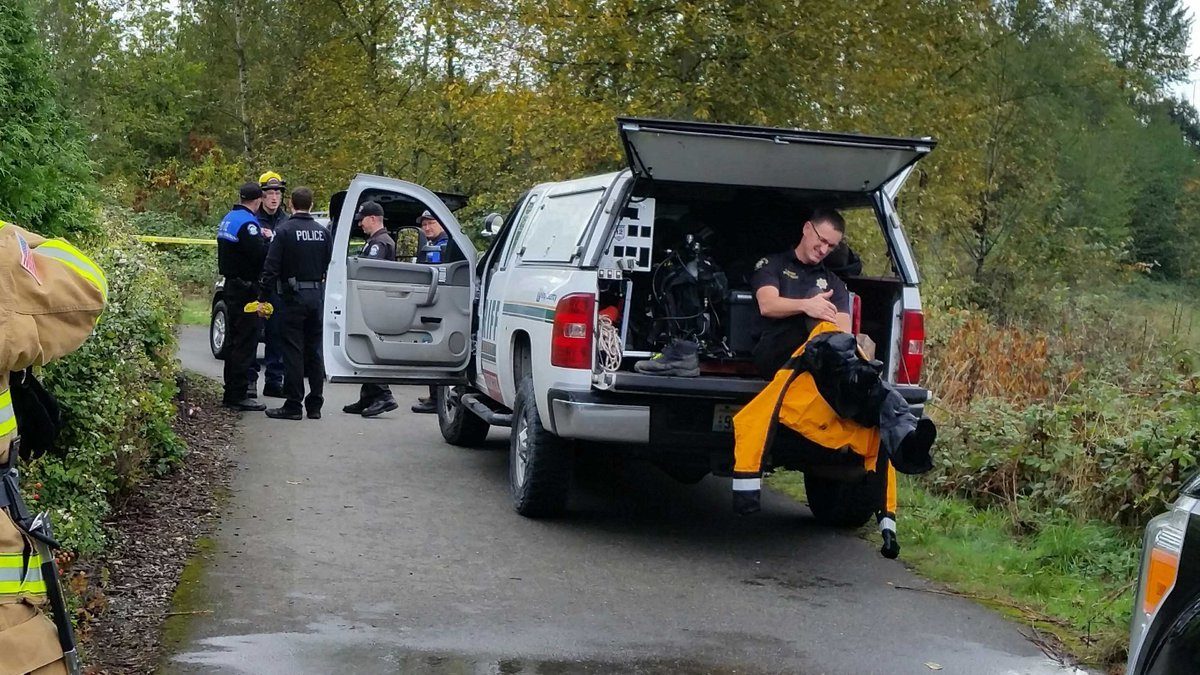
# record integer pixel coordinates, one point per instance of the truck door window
(519, 228)
(559, 226)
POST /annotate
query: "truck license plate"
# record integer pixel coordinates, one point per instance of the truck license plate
(723, 417)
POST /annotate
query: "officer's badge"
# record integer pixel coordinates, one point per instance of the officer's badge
(253, 230)
(761, 263)
(790, 274)
(822, 283)
(374, 249)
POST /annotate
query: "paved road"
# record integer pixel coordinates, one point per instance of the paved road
(370, 546)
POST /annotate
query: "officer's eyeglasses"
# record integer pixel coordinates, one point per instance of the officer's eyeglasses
(823, 240)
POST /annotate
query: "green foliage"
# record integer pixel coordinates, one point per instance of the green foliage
(1090, 413)
(191, 268)
(117, 395)
(1069, 578)
(44, 174)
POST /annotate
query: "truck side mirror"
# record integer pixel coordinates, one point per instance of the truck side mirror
(491, 225)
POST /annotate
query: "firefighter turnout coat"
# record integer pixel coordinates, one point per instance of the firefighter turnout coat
(51, 295)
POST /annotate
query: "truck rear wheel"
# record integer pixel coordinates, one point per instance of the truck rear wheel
(842, 504)
(459, 425)
(539, 463)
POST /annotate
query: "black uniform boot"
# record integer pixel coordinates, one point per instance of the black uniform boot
(355, 408)
(379, 407)
(246, 404)
(284, 414)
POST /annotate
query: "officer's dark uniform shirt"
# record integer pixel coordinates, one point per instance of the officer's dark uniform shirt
(379, 247)
(272, 221)
(301, 250)
(241, 246)
(778, 338)
(435, 257)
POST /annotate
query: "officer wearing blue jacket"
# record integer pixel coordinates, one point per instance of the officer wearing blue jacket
(434, 253)
(241, 250)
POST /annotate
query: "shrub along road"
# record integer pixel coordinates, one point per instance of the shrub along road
(354, 545)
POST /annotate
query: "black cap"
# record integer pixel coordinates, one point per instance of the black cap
(250, 190)
(368, 208)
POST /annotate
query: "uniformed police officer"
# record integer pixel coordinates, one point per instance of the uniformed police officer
(373, 399)
(241, 249)
(434, 253)
(271, 214)
(295, 267)
(796, 290)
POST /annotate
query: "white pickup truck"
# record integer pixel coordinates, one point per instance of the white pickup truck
(541, 332)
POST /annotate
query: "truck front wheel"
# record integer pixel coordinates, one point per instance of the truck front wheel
(842, 504)
(218, 329)
(539, 463)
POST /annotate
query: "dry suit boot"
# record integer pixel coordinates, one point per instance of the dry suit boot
(246, 404)
(284, 414)
(678, 359)
(913, 456)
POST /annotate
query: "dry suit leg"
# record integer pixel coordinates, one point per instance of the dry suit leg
(752, 429)
(792, 400)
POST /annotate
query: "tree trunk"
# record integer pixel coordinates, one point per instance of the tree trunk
(239, 48)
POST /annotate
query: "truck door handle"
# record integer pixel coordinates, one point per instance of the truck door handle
(431, 319)
(433, 287)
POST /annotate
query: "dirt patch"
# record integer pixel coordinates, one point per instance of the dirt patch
(126, 594)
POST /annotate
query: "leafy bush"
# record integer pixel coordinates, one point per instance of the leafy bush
(198, 192)
(191, 267)
(117, 395)
(1094, 416)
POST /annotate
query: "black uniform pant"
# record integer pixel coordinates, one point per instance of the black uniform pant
(369, 393)
(301, 343)
(242, 335)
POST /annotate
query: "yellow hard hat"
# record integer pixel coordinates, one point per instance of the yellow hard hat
(271, 181)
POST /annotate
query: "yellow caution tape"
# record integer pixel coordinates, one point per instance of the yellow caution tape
(153, 239)
(252, 307)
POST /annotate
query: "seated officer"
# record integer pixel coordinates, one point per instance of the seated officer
(434, 253)
(796, 290)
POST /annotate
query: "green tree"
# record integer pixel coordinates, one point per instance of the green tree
(45, 177)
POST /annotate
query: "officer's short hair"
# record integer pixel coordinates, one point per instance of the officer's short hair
(302, 198)
(830, 216)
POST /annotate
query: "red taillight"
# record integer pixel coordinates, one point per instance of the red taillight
(855, 312)
(912, 347)
(574, 322)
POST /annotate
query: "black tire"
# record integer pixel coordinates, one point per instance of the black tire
(841, 504)
(218, 331)
(539, 463)
(459, 425)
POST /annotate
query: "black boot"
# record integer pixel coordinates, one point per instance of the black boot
(246, 404)
(678, 359)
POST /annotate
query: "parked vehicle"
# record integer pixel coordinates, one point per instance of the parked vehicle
(1164, 636)
(540, 334)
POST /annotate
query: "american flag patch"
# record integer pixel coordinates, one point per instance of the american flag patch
(27, 262)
